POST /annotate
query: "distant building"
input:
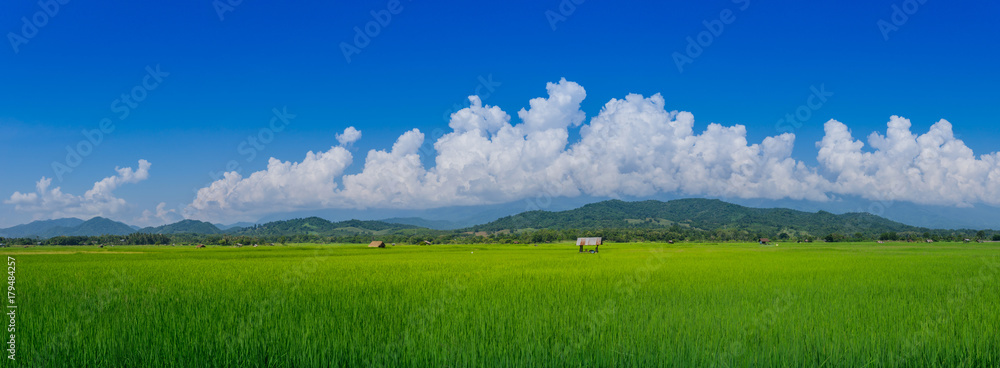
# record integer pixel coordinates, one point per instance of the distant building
(764, 241)
(376, 244)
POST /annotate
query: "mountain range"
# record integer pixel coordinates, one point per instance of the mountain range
(68, 227)
(321, 227)
(697, 214)
(701, 214)
(183, 227)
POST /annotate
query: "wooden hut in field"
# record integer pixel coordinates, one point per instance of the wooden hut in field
(764, 241)
(596, 242)
(376, 244)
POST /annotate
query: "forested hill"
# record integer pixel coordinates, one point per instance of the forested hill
(701, 214)
(36, 228)
(183, 227)
(318, 226)
(68, 227)
(615, 220)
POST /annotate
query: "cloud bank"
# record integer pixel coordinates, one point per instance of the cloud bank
(932, 168)
(47, 202)
(633, 147)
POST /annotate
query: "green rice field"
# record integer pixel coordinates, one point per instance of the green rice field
(631, 305)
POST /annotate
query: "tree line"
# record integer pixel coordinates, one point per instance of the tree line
(673, 233)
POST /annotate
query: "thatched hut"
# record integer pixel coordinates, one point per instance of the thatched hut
(596, 242)
(376, 244)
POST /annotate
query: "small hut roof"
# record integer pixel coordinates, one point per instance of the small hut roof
(588, 241)
(376, 244)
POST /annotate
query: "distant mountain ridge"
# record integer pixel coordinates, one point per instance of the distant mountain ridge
(421, 222)
(102, 226)
(68, 227)
(704, 214)
(694, 213)
(225, 227)
(183, 227)
(319, 226)
(34, 228)
(95, 226)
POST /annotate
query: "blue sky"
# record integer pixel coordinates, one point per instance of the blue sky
(222, 76)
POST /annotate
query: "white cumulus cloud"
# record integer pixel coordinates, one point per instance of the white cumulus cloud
(159, 216)
(350, 135)
(931, 168)
(634, 146)
(637, 148)
(284, 185)
(48, 202)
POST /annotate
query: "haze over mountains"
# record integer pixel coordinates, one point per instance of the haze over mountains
(68, 227)
(703, 214)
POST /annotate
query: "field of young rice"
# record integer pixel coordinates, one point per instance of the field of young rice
(635, 305)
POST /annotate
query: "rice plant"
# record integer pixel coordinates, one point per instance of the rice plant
(631, 305)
